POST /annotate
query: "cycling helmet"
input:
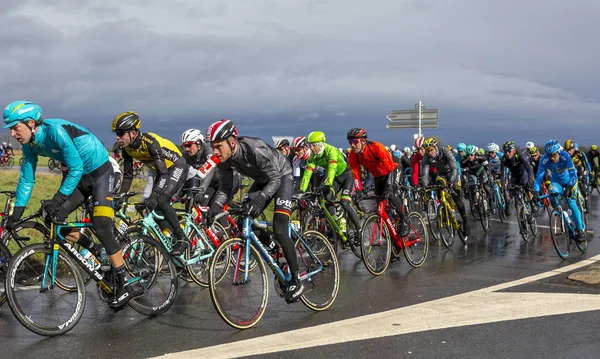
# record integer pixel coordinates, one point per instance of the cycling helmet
(19, 111)
(407, 149)
(393, 148)
(552, 147)
(3, 144)
(126, 121)
(221, 130)
(569, 144)
(481, 151)
(299, 142)
(492, 147)
(454, 151)
(282, 142)
(509, 146)
(356, 133)
(529, 145)
(315, 137)
(533, 151)
(470, 150)
(429, 143)
(419, 142)
(192, 135)
(461, 147)
(594, 147)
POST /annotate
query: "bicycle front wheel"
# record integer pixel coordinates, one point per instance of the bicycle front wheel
(376, 245)
(241, 296)
(416, 244)
(149, 262)
(444, 223)
(560, 235)
(44, 311)
(320, 270)
(432, 220)
(10, 162)
(5, 257)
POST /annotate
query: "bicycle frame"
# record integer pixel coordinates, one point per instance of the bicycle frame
(449, 206)
(332, 221)
(382, 207)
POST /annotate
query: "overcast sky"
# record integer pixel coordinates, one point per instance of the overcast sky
(496, 70)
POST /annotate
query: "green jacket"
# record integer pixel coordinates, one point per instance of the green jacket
(331, 159)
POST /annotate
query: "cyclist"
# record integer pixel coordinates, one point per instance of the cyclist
(583, 169)
(593, 155)
(84, 155)
(272, 175)
(338, 177)
(164, 159)
(283, 145)
(443, 161)
(494, 157)
(475, 165)
(405, 160)
(519, 168)
(376, 160)
(300, 148)
(564, 178)
(417, 163)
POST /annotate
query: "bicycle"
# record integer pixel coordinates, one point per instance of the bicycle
(24, 229)
(7, 161)
(5, 257)
(322, 221)
(431, 209)
(478, 199)
(525, 214)
(448, 224)
(54, 164)
(376, 242)
(245, 274)
(562, 228)
(594, 182)
(32, 274)
(498, 201)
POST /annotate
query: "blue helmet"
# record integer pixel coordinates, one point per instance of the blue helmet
(552, 146)
(19, 111)
(461, 147)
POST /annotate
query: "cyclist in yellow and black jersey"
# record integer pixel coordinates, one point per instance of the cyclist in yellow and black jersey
(162, 157)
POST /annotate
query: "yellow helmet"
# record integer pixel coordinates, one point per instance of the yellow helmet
(429, 143)
(126, 121)
(595, 147)
(533, 151)
(569, 144)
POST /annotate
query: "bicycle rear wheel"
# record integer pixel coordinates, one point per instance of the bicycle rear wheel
(376, 245)
(5, 257)
(149, 261)
(241, 297)
(432, 220)
(560, 235)
(44, 311)
(444, 224)
(315, 221)
(522, 219)
(416, 244)
(315, 253)
(10, 162)
(353, 237)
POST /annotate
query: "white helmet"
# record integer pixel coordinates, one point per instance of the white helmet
(4, 144)
(393, 148)
(406, 149)
(476, 149)
(492, 147)
(529, 145)
(387, 148)
(192, 135)
(454, 151)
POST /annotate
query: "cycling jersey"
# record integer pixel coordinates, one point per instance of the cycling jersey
(153, 151)
(474, 166)
(374, 158)
(458, 158)
(563, 172)
(496, 162)
(581, 162)
(591, 156)
(66, 142)
(416, 167)
(519, 167)
(445, 164)
(331, 159)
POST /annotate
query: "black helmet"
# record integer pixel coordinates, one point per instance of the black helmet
(356, 133)
(126, 121)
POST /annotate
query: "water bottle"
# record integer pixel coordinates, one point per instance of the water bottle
(104, 262)
(342, 222)
(568, 215)
(88, 256)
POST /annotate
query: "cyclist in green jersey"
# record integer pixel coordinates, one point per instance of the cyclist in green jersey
(338, 176)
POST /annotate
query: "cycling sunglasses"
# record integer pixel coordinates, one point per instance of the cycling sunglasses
(353, 141)
(120, 133)
(188, 144)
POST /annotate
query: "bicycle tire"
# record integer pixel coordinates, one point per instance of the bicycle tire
(34, 225)
(560, 236)
(51, 165)
(316, 221)
(200, 276)
(522, 221)
(371, 227)
(327, 280)
(146, 258)
(223, 301)
(10, 162)
(445, 226)
(5, 257)
(432, 220)
(416, 254)
(484, 216)
(14, 280)
(354, 244)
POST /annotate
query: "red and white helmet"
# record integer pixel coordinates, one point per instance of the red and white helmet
(419, 142)
(299, 142)
(221, 130)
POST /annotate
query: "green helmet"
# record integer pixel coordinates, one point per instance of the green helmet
(470, 149)
(315, 136)
(481, 151)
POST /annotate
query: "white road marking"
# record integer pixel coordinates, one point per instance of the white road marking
(477, 307)
(517, 223)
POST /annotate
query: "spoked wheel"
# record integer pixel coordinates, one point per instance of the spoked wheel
(316, 221)
(416, 244)
(560, 235)
(484, 216)
(444, 224)
(47, 311)
(376, 245)
(5, 257)
(432, 219)
(316, 256)
(241, 297)
(522, 219)
(353, 236)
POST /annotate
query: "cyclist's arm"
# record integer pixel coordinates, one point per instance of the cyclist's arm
(415, 161)
(225, 185)
(571, 169)
(127, 171)
(332, 164)
(71, 158)
(162, 173)
(308, 172)
(27, 177)
(355, 167)
(453, 166)
(425, 170)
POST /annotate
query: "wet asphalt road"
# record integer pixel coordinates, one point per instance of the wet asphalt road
(488, 259)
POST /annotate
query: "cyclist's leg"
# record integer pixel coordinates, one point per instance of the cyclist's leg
(174, 183)
(76, 199)
(346, 182)
(281, 220)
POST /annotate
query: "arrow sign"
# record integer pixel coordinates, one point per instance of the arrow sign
(408, 115)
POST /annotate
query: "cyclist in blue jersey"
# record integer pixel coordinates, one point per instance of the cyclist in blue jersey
(84, 155)
(564, 178)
